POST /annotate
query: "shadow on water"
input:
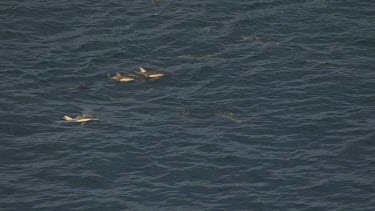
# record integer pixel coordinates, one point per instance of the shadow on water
(196, 114)
(82, 88)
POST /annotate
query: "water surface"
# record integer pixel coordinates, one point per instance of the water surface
(271, 105)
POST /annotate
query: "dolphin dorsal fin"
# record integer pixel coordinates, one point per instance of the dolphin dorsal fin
(142, 70)
(67, 118)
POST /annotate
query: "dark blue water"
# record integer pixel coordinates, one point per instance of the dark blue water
(270, 105)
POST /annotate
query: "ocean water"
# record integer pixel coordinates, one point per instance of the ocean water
(269, 105)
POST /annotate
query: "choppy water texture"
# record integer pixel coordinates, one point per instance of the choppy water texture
(271, 105)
